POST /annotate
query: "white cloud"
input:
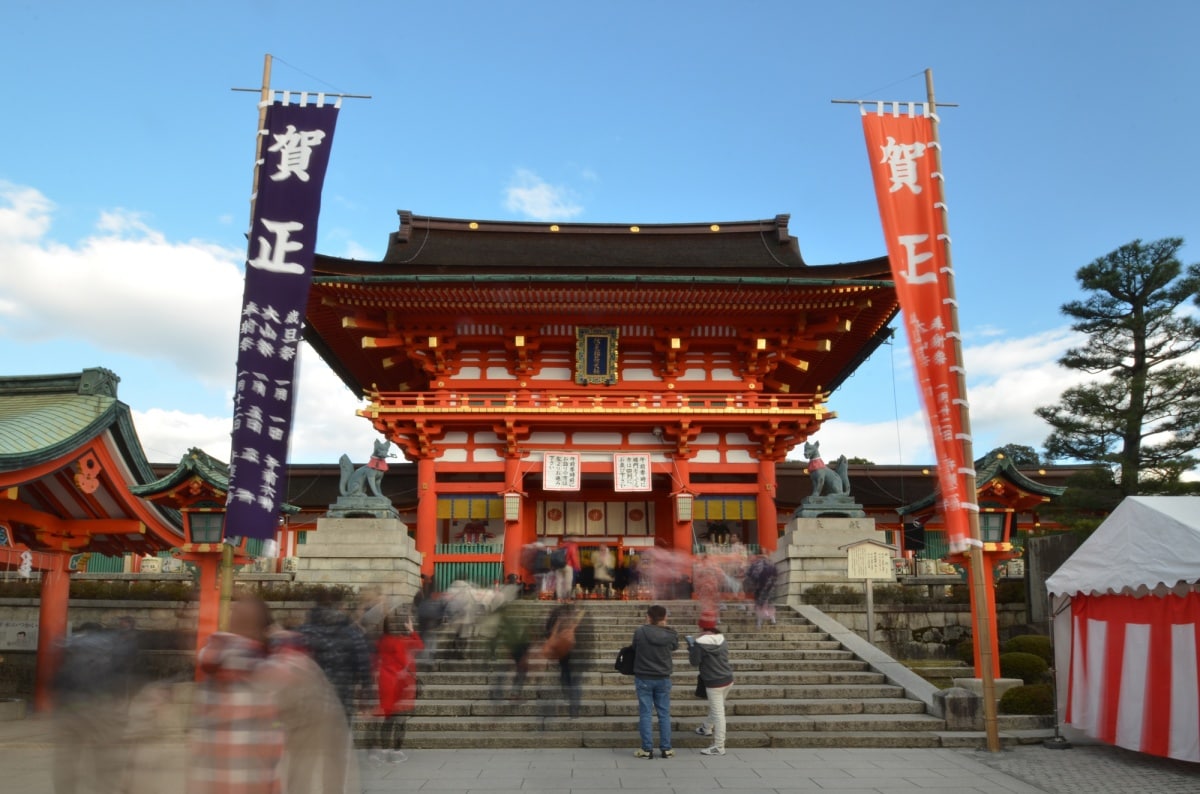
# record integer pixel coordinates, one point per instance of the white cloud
(355, 251)
(1007, 379)
(535, 198)
(324, 424)
(1000, 357)
(125, 289)
(24, 214)
(167, 434)
(904, 441)
(135, 295)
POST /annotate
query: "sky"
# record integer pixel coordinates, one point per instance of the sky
(127, 165)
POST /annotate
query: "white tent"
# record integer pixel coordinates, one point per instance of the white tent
(1127, 649)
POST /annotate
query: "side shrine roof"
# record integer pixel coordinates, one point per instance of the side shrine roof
(70, 453)
(44, 416)
(989, 469)
(195, 464)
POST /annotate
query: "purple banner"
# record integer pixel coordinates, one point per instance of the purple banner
(293, 156)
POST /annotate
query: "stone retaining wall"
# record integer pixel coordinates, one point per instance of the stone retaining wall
(166, 634)
(915, 631)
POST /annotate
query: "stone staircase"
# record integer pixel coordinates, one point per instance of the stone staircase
(795, 687)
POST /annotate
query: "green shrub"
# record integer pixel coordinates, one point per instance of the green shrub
(145, 590)
(1010, 593)
(900, 594)
(297, 591)
(966, 651)
(20, 588)
(1036, 644)
(1029, 699)
(828, 594)
(173, 590)
(1028, 667)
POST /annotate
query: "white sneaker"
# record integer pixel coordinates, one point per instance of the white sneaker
(704, 731)
(396, 757)
(714, 750)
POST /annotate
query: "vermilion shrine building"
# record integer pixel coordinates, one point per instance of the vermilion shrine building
(484, 347)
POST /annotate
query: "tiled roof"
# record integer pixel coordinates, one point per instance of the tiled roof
(195, 463)
(43, 416)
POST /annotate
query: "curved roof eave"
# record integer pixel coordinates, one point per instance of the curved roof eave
(111, 417)
(195, 463)
(991, 468)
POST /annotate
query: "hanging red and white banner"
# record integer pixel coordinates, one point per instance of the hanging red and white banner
(901, 149)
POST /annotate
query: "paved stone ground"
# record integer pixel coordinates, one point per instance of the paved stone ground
(26, 752)
(1093, 769)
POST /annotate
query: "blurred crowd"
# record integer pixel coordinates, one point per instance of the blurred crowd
(279, 709)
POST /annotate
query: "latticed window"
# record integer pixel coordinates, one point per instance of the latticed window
(206, 527)
(991, 527)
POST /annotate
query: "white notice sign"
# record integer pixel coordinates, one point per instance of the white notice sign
(870, 561)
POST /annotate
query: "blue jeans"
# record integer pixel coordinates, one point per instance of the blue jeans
(654, 694)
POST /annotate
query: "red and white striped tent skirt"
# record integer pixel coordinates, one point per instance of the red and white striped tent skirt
(1133, 677)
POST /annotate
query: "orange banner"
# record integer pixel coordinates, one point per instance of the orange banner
(901, 148)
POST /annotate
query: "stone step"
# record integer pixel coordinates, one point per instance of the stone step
(590, 719)
(683, 740)
(549, 690)
(560, 737)
(482, 681)
(750, 708)
(796, 686)
(605, 663)
(589, 648)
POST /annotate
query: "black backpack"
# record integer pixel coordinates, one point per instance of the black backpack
(625, 659)
(558, 558)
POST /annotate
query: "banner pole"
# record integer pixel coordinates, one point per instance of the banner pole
(264, 101)
(983, 620)
(225, 596)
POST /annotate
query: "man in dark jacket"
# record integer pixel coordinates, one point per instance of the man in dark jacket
(340, 648)
(653, 644)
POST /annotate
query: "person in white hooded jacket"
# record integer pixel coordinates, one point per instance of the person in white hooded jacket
(710, 653)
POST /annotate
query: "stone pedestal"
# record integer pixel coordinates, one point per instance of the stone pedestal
(842, 506)
(961, 708)
(811, 552)
(975, 685)
(362, 506)
(12, 709)
(361, 553)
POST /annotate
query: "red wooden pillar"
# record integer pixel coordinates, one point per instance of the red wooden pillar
(514, 531)
(209, 601)
(681, 541)
(52, 628)
(768, 519)
(427, 517)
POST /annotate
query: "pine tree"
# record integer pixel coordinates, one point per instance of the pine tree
(1142, 413)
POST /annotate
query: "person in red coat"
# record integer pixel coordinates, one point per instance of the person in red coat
(396, 663)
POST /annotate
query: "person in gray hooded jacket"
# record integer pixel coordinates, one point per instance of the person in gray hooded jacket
(653, 644)
(710, 653)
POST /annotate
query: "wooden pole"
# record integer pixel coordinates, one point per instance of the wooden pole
(226, 578)
(983, 623)
(870, 588)
(264, 100)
